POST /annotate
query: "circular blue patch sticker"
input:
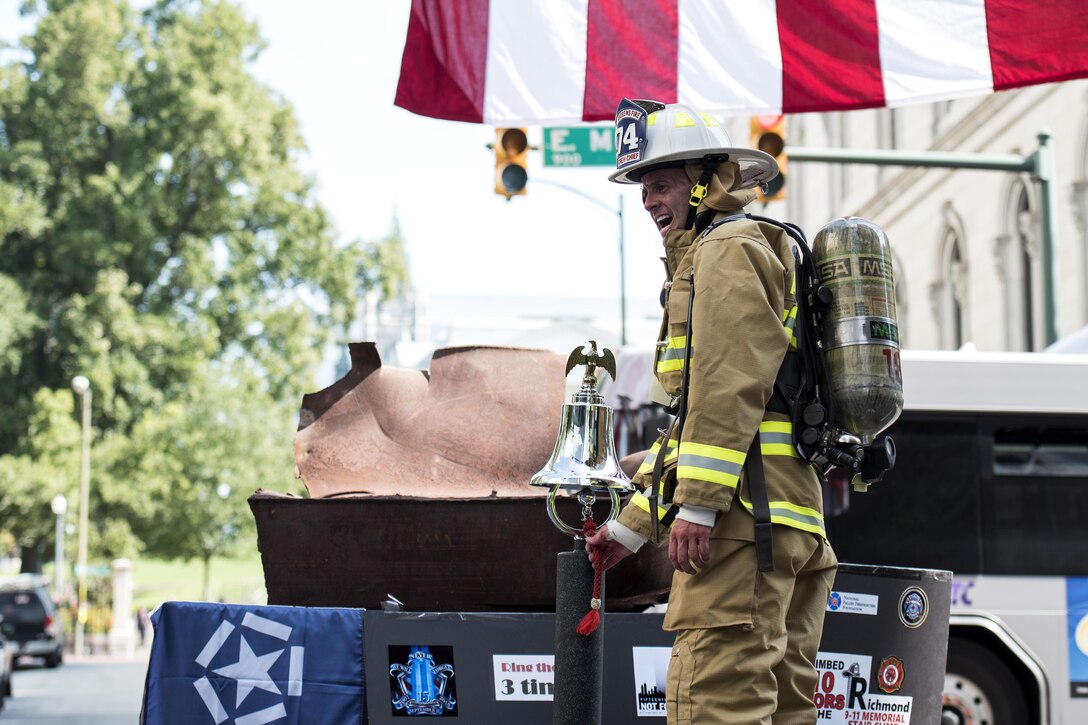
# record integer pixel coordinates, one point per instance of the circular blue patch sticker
(834, 602)
(913, 607)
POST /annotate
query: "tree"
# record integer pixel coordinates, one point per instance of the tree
(156, 234)
(193, 480)
(386, 267)
(30, 478)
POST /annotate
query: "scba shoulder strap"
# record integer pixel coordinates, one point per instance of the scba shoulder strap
(802, 381)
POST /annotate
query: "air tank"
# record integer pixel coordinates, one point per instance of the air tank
(860, 334)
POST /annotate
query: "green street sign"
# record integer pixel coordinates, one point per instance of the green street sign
(579, 146)
(93, 569)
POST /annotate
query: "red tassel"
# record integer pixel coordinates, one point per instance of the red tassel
(592, 620)
(589, 623)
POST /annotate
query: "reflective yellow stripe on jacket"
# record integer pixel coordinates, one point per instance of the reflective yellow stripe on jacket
(799, 517)
(714, 464)
(641, 499)
(789, 317)
(671, 356)
(721, 465)
(776, 439)
(648, 462)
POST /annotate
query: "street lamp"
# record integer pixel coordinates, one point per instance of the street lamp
(82, 388)
(60, 507)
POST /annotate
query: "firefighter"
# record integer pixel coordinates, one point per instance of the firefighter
(747, 608)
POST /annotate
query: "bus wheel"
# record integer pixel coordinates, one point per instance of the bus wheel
(979, 689)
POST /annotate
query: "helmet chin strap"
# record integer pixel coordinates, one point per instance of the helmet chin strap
(711, 162)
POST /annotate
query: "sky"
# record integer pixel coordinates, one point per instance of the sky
(338, 63)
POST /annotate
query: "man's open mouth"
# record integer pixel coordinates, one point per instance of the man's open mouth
(663, 221)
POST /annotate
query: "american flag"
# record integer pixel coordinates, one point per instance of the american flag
(509, 62)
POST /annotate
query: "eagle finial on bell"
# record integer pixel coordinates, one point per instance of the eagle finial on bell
(606, 360)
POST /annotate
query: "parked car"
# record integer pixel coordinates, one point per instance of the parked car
(30, 621)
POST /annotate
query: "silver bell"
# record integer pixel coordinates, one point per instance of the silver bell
(584, 461)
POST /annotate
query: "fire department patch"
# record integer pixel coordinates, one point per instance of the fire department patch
(890, 675)
(630, 133)
(913, 607)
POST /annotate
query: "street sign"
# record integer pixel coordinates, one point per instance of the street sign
(94, 569)
(579, 146)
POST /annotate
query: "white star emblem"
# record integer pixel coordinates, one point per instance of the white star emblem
(251, 671)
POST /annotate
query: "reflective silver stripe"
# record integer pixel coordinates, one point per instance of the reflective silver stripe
(649, 491)
(672, 353)
(648, 461)
(768, 438)
(784, 515)
(652, 455)
(642, 500)
(805, 521)
(714, 464)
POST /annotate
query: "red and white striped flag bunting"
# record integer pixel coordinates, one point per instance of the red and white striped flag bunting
(531, 62)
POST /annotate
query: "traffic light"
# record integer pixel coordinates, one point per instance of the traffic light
(511, 161)
(768, 134)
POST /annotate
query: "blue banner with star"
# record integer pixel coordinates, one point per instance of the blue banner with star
(251, 665)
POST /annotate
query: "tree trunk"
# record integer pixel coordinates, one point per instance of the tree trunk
(31, 559)
(207, 596)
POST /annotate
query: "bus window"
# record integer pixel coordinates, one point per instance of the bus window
(1040, 452)
(925, 513)
(1034, 515)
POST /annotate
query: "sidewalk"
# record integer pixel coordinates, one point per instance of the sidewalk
(97, 652)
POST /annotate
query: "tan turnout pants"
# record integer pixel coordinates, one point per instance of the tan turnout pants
(758, 669)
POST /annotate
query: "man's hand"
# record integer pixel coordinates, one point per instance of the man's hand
(689, 546)
(607, 552)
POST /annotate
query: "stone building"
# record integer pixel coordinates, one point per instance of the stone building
(968, 244)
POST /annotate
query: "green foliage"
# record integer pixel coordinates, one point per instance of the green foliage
(197, 462)
(385, 266)
(40, 468)
(17, 323)
(158, 237)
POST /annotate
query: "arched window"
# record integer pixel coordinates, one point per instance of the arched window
(902, 304)
(1022, 273)
(956, 266)
(949, 292)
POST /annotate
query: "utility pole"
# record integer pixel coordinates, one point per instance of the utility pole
(1039, 164)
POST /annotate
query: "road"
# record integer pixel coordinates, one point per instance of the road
(87, 691)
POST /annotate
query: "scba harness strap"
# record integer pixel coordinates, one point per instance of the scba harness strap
(803, 377)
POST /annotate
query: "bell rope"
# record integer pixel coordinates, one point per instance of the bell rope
(592, 620)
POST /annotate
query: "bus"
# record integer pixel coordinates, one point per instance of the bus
(991, 482)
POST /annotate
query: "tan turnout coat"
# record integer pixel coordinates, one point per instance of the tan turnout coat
(741, 329)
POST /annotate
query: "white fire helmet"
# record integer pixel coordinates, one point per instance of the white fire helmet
(650, 134)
